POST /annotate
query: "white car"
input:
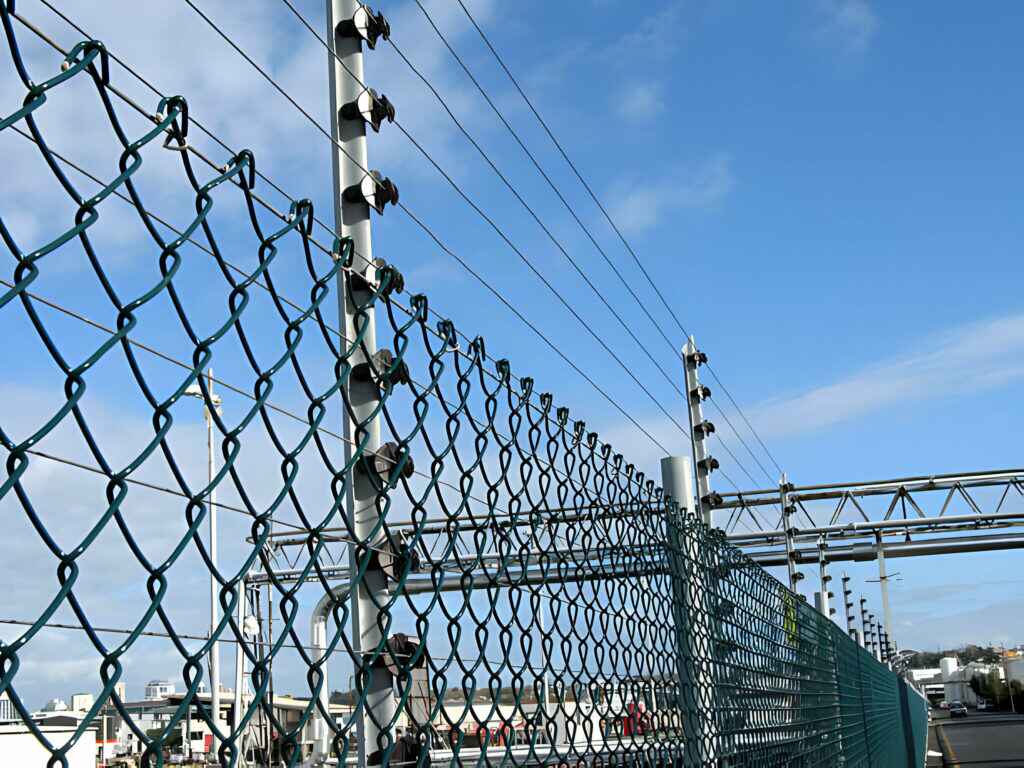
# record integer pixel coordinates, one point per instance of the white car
(982, 705)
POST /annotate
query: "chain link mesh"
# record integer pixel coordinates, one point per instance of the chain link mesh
(542, 603)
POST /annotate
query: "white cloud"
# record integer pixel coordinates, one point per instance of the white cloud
(640, 103)
(978, 356)
(846, 26)
(640, 203)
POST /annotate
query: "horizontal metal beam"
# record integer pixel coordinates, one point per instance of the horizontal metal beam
(865, 552)
(892, 526)
(948, 479)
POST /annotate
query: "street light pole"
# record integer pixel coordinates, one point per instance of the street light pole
(196, 391)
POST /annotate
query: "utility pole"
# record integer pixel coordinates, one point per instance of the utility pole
(704, 463)
(356, 191)
(787, 526)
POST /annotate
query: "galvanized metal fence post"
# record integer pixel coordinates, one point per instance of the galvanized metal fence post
(787, 527)
(694, 631)
(883, 582)
(825, 579)
(703, 462)
(352, 220)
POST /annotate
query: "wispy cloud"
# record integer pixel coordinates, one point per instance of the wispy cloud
(845, 26)
(978, 356)
(640, 103)
(639, 204)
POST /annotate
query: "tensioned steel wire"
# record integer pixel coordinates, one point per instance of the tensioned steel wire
(611, 222)
(498, 295)
(544, 603)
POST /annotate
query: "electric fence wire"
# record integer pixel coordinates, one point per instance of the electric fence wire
(468, 200)
(504, 179)
(294, 646)
(465, 265)
(593, 196)
(572, 212)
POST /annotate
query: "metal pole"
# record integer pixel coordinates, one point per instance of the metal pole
(214, 617)
(848, 605)
(240, 672)
(824, 578)
(703, 463)
(545, 661)
(692, 617)
(787, 526)
(883, 581)
(352, 219)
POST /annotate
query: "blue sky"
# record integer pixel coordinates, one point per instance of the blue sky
(827, 191)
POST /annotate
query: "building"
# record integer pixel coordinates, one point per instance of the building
(55, 705)
(929, 682)
(956, 680)
(158, 689)
(82, 702)
(7, 710)
(19, 746)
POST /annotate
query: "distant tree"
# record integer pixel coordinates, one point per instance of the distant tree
(978, 684)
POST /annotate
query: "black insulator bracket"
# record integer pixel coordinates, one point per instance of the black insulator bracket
(366, 24)
(383, 371)
(370, 108)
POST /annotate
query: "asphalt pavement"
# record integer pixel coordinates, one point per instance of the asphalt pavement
(980, 740)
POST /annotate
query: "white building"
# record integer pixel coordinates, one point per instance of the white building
(957, 680)
(7, 710)
(158, 689)
(19, 746)
(55, 705)
(82, 702)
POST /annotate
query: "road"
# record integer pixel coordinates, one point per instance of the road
(981, 740)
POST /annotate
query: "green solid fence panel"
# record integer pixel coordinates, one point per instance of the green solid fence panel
(538, 600)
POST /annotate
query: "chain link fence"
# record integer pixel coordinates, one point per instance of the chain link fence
(437, 563)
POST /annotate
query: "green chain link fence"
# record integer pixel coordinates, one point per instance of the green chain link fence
(534, 598)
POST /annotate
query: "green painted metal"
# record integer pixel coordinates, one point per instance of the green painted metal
(519, 510)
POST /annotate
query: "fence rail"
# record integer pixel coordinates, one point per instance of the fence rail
(536, 598)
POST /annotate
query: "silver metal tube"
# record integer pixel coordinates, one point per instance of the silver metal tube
(352, 219)
(691, 364)
(868, 552)
(866, 528)
(925, 482)
(214, 611)
(883, 582)
(240, 673)
(691, 614)
(787, 523)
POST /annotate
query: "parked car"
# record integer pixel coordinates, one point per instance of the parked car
(957, 709)
(982, 705)
(943, 704)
